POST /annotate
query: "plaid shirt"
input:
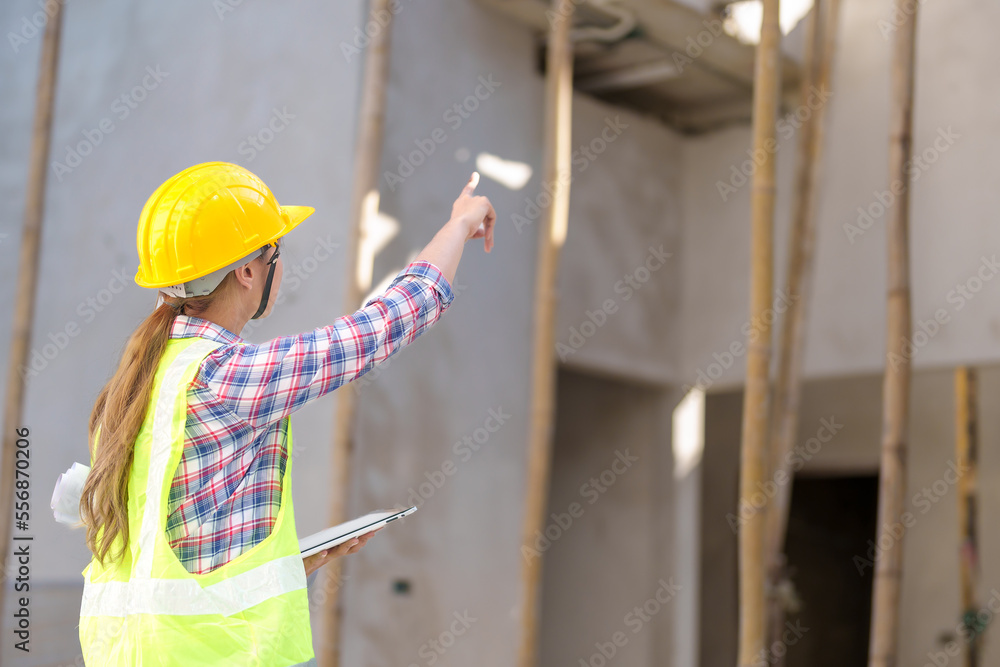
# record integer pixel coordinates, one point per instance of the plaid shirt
(226, 490)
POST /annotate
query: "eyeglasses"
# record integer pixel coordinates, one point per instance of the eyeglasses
(274, 257)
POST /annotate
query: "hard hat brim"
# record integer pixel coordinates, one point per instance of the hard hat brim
(296, 214)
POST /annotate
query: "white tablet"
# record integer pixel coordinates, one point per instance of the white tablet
(348, 530)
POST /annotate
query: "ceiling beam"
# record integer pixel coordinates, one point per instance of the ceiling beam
(681, 32)
(633, 76)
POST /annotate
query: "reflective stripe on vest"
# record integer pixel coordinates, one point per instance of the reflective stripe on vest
(186, 597)
(159, 454)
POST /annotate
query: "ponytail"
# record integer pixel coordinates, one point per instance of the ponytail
(119, 412)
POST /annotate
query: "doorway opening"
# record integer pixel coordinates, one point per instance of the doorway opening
(831, 528)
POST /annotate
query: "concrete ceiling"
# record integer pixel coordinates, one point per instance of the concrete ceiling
(676, 64)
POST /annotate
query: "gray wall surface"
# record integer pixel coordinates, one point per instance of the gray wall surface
(608, 515)
(620, 274)
(954, 190)
(460, 553)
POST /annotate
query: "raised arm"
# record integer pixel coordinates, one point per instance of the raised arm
(264, 383)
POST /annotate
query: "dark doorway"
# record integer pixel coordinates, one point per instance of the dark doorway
(831, 522)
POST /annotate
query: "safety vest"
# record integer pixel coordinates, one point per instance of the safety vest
(147, 609)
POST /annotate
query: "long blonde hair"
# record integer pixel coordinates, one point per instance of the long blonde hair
(120, 411)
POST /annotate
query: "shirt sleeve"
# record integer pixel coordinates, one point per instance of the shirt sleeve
(266, 382)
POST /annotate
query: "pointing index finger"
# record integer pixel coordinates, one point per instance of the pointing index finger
(470, 187)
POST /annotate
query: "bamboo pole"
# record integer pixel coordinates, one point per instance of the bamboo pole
(896, 386)
(364, 204)
(967, 459)
(27, 283)
(551, 234)
(754, 459)
(821, 38)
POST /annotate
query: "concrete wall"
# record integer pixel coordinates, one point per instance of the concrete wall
(460, 552)
(930, 609)
(620, 275)
(950, 229)
(608, 534)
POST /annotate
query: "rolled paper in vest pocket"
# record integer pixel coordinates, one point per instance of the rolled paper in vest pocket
(66, 496)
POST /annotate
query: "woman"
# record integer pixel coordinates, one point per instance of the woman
(188, 505)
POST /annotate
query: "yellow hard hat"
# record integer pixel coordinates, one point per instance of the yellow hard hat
(204, 219)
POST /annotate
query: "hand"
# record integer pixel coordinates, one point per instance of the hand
(318, 560)
(474, 215)
(471, 218)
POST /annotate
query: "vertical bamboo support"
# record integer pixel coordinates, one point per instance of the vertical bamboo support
(967, 459)
(821, 38)
(754, 460)
(896, 386)
(27, 283)
(551, 234)
(364, 203)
